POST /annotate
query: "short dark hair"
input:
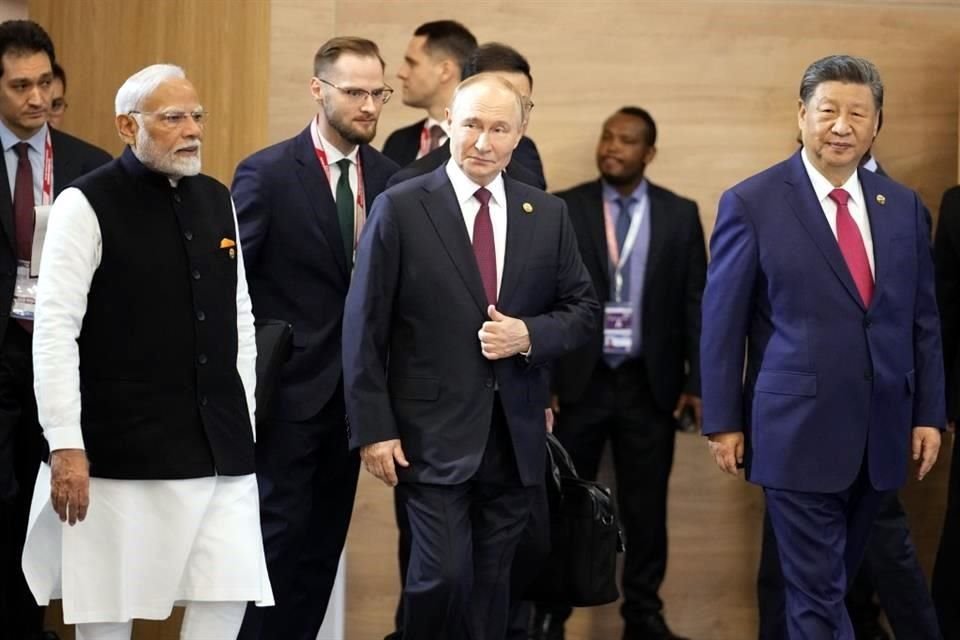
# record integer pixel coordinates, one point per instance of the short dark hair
(24, 37)
(331, 50)
(494, 56)
(643, 114)
(60, 75)
(448, 37)
(842, 68)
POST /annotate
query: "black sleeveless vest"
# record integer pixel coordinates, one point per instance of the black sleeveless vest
(160, 393)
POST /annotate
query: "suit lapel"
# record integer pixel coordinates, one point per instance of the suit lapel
(659, 232)
(65, 169)
(882, 233)
(317, 189)
(520, 234)
(597, 232)
(803, 200)
(443, 210)
(6, 204)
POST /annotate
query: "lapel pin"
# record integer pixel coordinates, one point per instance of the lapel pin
(233, 253)
(881, 199)
(527, 207)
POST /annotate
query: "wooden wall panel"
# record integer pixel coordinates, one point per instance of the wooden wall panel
(222, 44)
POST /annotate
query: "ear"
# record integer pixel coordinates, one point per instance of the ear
(448, 117)
(316, 90)
(801, 113)
(449, 71)
(127, 127)
(650, 155)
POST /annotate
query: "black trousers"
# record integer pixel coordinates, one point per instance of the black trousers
(946, 570)
(21, 450)
(890, 568)
(463, 539)
(618, 407)
(308, 480)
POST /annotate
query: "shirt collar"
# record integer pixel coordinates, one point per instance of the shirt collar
(464, 187)
(440, 123)
(8, 139)
(611, 195)
(871, 164)
(822, 187)
(334, 155)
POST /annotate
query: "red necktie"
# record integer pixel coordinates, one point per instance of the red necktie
(851, 246)
(23, 211)
(483, 247)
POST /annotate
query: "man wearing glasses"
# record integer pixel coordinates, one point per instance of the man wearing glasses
(144, 373)
(301, 205)
(58, 96)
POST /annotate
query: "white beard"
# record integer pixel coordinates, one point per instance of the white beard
(169, 163)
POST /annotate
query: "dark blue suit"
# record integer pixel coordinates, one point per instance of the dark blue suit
(831, 389)
(472, 429)
(298, 271)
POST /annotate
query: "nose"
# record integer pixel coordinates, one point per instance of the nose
(192, 130)
(841, 125)
(369, 105)
(483, 142)
(37, 96)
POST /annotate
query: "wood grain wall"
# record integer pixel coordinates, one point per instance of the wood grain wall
(222, 44)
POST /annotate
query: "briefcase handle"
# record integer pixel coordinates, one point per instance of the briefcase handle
(561, 464)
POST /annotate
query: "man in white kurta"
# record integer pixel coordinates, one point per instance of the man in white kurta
(144, 355)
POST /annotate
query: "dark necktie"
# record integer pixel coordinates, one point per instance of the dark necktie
(23, 220)
(852, 247)
(622, 229)
(483, 246)
(345, 208)
(436, 132)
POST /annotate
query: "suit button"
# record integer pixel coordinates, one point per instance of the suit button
(176, 198)
(201, 316)
(188, 234)
(488, 383)
(202, 358)
(196, 274)
(868, 375)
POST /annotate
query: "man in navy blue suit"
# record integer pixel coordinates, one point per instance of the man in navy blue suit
(301, 205)
(823, 271)
(467, 284)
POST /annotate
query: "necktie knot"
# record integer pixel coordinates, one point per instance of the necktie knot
(483, 195)
(22, 148)
(344, 164)
(840, 196)
(626, 206)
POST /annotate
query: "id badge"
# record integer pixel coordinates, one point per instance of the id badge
(617, 329)
(24, 293)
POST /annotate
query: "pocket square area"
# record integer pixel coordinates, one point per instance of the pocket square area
(226, 243)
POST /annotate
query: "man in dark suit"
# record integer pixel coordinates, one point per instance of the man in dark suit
(432, 68)
(29, 148)
(301, 205)
(525, 164)
(644, 248)
(444, 353)
(822, 270)
(946, 570)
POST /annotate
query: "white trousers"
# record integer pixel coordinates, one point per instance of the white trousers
(201, 621)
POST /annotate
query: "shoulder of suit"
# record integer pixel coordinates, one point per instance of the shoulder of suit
(75, 145)
(582, 190)
(672, 197)
(373, 157)
(528, 192)
(405, 131)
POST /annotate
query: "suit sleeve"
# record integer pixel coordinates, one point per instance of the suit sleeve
(946, 254)
(575, 313)
(528, 156)
(253, 211)
(929, 406)
(367, 318)
(727, 308)
(693, 298)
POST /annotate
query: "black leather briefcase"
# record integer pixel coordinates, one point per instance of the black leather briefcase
(274, 343)
(585, 538)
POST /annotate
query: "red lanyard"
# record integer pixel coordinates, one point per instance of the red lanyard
(46, 192)
(322, 157)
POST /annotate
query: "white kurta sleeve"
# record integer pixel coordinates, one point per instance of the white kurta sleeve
(71, 255)
(246, 337)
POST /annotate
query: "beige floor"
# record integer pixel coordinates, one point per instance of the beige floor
(714, 548)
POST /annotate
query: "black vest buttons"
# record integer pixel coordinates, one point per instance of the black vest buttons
(188, 235)
(203, 401)
(201, 316)
(196, 274)
(202, 359)
(488, 383)
(176, 198)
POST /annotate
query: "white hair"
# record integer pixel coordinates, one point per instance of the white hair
(144, 82)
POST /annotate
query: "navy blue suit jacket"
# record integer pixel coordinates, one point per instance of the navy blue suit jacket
(827, 381)
(296, 266)
(412, 363)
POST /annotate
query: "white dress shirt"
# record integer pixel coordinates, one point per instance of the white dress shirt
(856, 204)
(464, 188)
(35, 154)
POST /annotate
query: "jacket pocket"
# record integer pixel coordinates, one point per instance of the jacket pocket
(788, 383)
(415, 388)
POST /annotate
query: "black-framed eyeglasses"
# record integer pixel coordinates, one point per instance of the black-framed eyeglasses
(175, 119)
(381, 95)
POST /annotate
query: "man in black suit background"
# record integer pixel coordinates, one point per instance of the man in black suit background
(525, 164)
(445, 347)
(432, 68)
(301, 205)
(946, 570)
(644, 248)
(30, 146)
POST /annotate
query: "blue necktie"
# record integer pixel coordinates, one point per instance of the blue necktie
(622, 229)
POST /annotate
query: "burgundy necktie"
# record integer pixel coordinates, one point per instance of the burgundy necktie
(851, 246)
(483, 247)
(436, 132)
(23, 211)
